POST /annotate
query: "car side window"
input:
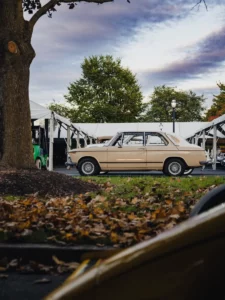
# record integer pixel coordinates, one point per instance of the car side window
(155, 138)
(133, 139)
(130, 139)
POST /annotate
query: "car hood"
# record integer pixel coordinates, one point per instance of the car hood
(90, 149)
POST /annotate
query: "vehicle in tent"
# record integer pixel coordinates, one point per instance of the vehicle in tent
(40, 147)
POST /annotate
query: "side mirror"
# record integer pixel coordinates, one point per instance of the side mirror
(119, 144)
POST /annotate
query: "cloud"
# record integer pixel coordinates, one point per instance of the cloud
(209, 54)
(61, 43)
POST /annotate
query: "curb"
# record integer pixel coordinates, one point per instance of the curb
(43, 253)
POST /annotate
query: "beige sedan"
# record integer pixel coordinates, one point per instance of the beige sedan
(140, 151)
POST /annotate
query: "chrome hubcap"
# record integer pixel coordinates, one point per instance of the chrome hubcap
(87, 168)
(174, 168)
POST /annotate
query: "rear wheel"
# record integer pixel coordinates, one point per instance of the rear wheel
(88, 167)
(38, 163)
(222, 163)
(174, 167)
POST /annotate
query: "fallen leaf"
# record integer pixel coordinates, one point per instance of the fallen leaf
(13, 263)
(57, 261)
(43, 280)
(174, 216)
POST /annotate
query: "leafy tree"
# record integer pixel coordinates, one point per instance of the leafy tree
(16, 55)
(218, 107)
(189, 106)
(106, 92)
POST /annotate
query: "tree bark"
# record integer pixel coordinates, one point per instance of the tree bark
(16, 55)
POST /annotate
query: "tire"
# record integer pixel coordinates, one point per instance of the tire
(165, 172)
(88, 167)
(188, 171)
(211, 199)
(222, 163)
(174, 167)
(47, 164)
(38, 163)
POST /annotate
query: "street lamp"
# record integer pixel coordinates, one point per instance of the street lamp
(161, 126)
(173, 104)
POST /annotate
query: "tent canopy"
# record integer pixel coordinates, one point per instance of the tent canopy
(40, 112)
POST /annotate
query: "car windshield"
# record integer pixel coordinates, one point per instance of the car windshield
(106, 143)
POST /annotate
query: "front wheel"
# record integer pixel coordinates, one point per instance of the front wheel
(88, 167)
(174, 167)
(188, 171)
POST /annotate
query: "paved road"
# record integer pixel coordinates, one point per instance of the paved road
(196, 172)
(22, 287)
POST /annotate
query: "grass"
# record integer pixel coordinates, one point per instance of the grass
(162, 187)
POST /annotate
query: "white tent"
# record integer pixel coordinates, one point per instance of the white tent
(183, 129)
(39, 112)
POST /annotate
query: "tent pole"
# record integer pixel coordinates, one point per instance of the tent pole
(51, 141)
(196, 140)
(214, 147)
(203, 140)
(85, 141)
(68, 139)
(78, 139)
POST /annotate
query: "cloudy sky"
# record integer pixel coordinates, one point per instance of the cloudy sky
(162, 41)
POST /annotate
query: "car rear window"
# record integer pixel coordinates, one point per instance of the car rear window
(177, 140)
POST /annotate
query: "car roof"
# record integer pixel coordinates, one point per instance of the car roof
(127, 131)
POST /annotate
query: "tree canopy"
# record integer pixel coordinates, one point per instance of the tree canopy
(106, 92)
(218, 107)
(189, 106)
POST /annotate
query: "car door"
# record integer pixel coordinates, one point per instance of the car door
(128, 152)
(158, 148)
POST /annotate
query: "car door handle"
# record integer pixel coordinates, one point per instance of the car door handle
(141, 148)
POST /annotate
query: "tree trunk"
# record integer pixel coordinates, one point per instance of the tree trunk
(16, 55)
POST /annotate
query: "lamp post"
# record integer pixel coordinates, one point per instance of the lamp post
(173, 104)
(161, 126)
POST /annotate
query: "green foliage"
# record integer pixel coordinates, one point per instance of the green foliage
(179, 188)
(218, 107)
(106, 92)
(62, 110)
(189, 106)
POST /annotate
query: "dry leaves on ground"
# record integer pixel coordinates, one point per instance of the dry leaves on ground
(34, 267)
(104, 219)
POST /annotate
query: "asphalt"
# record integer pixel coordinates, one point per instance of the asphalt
(197, 172)
(23, 287)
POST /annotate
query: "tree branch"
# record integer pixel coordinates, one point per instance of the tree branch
(200, 1)
(44, 9)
